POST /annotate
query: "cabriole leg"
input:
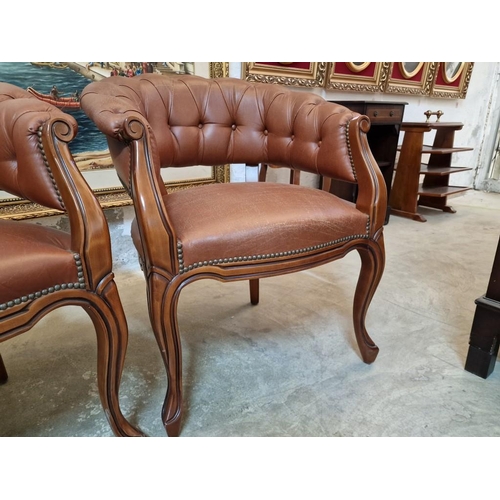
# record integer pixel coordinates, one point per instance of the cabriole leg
(163, 299)
(372, 267)
(112, 338)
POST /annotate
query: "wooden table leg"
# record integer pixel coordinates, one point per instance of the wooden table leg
(485, 332)
(3, 372)
(484, 338)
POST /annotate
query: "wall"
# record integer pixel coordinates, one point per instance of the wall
(479, 112)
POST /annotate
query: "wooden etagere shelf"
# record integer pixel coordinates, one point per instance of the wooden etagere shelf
(407, 191)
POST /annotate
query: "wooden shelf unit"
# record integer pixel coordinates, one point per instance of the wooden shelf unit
(407, 191)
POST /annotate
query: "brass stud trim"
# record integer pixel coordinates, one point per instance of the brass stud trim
(46, 163)
(349, 151)
(248, 258)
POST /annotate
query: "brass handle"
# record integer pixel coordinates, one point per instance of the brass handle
(391, 113)
(375, 113)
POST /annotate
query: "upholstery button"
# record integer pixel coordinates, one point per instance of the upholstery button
(292, 137)
(319, 143)
(233, 126)
(200, 125)
(266, 132)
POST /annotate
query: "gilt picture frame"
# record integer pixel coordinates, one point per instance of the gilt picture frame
(452, 80)
(411, 78)
(298, 74)
(357, 76)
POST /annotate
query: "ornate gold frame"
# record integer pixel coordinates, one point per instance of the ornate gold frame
(18, 208)
(447, 88)
(423, 80)
(407, 84)
(357, 82)
(410, 74)
(286, 74)
(357, 68)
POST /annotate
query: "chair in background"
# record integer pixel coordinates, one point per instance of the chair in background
(237, 231)
(42, 268)
(263, 170)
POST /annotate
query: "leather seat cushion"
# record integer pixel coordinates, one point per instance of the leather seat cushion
(33, 258)
(255, 219)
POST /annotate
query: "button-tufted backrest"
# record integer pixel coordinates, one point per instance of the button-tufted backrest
(23, 168)
(198, 121)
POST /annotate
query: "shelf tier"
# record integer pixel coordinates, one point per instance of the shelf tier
(441, 151)
(438, 171)
(425, 169)
(384, 164)
(441, 191)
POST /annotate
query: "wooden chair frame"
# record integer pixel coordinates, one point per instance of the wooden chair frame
(95, 291)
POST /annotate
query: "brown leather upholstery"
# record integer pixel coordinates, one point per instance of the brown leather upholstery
(23, 173)
(279, 220)
(241, 230)
(45, 255)
(42, 268)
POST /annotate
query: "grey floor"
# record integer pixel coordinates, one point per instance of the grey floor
(289, 366)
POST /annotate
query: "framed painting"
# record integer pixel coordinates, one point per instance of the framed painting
(452, 80)
(413, 78)
(89, 147)
(299, 74)
(357, 76)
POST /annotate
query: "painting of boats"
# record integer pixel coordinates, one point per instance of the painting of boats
(60, 84)
(55, 65)
(42, 78)
(60, 102)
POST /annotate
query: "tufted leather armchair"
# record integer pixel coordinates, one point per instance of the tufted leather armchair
(42, 268)
(237, 231)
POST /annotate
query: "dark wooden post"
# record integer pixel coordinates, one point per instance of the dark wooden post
(485, 332)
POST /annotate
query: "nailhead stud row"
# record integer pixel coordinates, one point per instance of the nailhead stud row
(46, 162)
(229, 260)
(52, 289)
(349, 150)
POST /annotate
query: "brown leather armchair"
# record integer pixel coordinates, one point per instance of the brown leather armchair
(237, 231)
(42, 268)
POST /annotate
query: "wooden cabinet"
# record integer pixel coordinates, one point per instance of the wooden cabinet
(485, 331)
(386, 118)
(407, 190)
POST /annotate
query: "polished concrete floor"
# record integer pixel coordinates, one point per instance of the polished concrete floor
(289, 366)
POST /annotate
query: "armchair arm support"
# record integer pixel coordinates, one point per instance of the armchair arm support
(89, 228)
(142, 179)
(372, 191)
